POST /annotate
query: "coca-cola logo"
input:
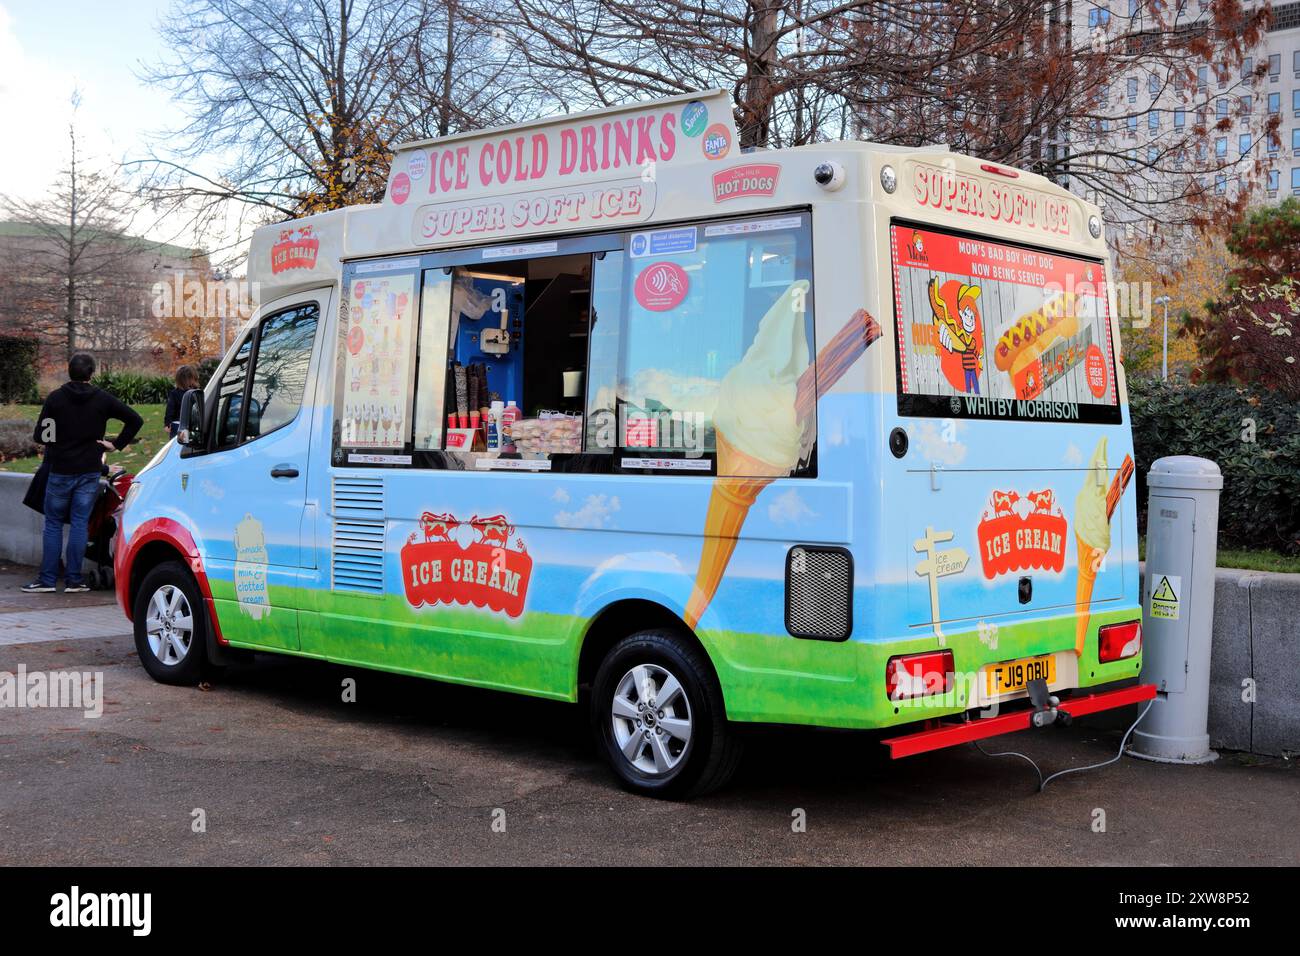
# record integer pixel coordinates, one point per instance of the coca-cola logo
(1018, 533)
(400, 191)
(474, 563)
(661, 286)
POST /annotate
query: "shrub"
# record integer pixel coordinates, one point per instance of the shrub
(134, 388)
(207, 368)
(18, 357)
(1253, 435)
(16, 440)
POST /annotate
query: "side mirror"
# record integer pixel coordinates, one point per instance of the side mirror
(191, 418)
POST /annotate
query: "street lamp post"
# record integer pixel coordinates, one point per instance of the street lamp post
(1164, 348)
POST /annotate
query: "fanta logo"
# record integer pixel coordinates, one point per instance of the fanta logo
(1020, 533)
(716, 142)
(661, 286)
(296, 249)
(488, 572)
(755, 179)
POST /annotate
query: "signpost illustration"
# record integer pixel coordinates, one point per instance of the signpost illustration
(938, 564)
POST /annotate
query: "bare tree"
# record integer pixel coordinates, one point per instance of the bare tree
(1039, 84)
(70, 248)
(300, 102)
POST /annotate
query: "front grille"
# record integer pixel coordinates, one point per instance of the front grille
(819, 593)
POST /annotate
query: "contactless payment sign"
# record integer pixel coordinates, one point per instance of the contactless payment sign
(661, 286)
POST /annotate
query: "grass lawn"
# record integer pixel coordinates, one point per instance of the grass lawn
(1244, 559)
(150, 438)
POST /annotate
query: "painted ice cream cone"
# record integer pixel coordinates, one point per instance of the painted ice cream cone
(1089, 561)
(740, 478)
(1092, 540)
(764, 407)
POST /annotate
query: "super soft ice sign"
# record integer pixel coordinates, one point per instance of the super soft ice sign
(591, 169)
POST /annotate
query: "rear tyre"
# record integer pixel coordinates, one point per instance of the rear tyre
(659, 719)
(171, 625)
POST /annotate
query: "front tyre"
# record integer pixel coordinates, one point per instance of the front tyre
(659, 719)
(171, 625)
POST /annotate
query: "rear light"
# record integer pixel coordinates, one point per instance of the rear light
(1115, 642)
(919, 675)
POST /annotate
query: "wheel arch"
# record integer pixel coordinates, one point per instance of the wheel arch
(626, 616)
(152, 543)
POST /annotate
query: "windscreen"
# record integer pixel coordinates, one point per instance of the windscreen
(990, 329)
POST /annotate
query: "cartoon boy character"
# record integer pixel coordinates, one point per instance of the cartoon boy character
(918, 246)
(955, 308)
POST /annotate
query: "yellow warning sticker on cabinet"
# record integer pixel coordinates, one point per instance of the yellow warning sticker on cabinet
(1166, 596)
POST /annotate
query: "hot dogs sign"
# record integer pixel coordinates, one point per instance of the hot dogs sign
(473, 563)
(992, 330)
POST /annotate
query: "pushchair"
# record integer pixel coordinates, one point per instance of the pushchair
(101, 530)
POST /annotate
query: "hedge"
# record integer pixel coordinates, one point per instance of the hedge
(1253, 435)
(134, 388)
(18, 357)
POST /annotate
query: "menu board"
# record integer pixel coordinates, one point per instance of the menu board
(377, 357)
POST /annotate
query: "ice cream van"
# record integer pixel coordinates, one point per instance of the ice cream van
(605, 408)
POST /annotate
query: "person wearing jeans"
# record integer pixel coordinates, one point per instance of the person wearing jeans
(71, 427)
(69, 499)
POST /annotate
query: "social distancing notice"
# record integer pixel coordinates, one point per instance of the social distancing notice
(1166, 597)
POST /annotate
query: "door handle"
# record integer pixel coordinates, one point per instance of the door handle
(284, 471)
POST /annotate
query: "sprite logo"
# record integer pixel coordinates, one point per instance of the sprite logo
(695, 116)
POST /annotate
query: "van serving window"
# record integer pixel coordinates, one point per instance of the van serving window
(629, 353)
(1000, 331)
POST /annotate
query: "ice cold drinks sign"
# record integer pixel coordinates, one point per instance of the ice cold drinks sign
(587, 171)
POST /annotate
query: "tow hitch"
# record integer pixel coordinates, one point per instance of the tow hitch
(1046, 706)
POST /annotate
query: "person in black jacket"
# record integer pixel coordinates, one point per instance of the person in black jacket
(186, 378)
(71, 427)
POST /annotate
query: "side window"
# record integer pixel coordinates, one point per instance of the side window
(703, 348)
(230, 398)
(280, 372)
(248, 407)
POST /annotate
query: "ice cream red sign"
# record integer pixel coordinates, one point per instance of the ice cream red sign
(487, 572)
(1017, 534)
(297, 249)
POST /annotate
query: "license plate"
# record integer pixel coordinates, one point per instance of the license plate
(1011, 676)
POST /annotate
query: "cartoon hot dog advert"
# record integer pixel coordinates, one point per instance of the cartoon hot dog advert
(992, 330)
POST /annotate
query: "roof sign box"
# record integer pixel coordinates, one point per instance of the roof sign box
(981, 197)
(583, 170)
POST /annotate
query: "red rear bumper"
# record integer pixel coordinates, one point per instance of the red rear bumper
(940, 734)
